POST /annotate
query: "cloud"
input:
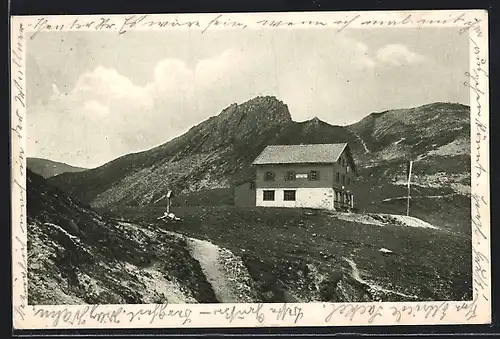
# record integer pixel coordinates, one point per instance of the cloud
(106, 114)
(360, 56)
(95, 108)
(107, 85)
(171, 76)
(398, 55)
(219, 69)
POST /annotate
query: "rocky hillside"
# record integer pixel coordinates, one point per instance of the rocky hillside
(437, 138)
(211, 155)
(216, 154)
(76, 256)
(48, 168)
(438, 129)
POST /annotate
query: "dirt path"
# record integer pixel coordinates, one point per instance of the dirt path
(225, 271)
(208, 256)
(362, 142)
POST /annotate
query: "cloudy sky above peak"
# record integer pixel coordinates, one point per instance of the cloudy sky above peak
(93, 97)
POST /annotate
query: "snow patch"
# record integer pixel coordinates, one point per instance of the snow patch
(421, 197)
(377, 219)
(385, 250)
(412, 221)
(397, 142)
(359, 218)
(72, 237)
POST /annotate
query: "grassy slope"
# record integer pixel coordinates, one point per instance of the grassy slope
(214, 197)
(277, 244)
(291, 255)
(47, 168)
(450, 212)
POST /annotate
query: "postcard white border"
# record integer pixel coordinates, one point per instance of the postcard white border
(477, 311)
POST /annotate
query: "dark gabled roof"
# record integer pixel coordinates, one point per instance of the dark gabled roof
(300, 154)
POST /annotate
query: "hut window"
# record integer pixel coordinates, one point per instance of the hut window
(314, 175)
(268, 196)
(290, 175)
(269, 176)
(289, 195)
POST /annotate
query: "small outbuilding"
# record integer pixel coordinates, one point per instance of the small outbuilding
(244, 194)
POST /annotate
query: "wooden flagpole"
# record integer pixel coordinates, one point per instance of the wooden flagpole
(409, 180)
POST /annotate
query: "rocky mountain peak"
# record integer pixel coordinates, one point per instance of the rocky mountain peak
(239, 124)
(261, 108)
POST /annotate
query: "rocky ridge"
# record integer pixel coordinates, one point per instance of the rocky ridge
(47, 168)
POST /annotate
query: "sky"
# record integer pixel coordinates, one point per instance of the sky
(95, 96)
